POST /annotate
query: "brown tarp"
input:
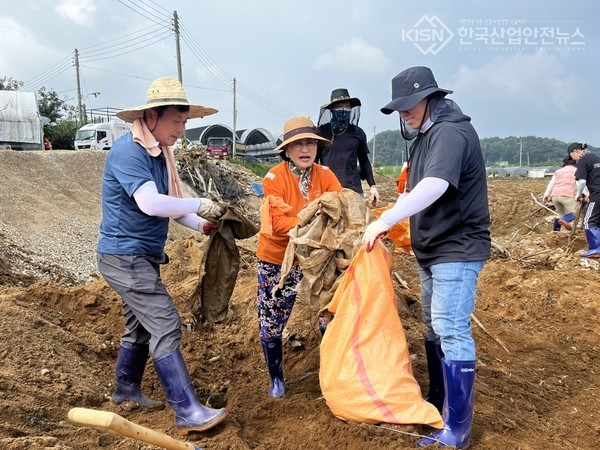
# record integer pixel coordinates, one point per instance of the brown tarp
(324, 241)
(221, 264)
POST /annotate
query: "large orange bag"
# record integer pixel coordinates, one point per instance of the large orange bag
(366, 373)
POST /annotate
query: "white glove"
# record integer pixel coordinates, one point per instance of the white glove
(209, 210)
(374, 195)
(374, 231)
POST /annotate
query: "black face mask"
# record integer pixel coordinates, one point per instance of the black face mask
(340, 118)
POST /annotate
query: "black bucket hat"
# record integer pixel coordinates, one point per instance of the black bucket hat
(411, 86)
(341, 95)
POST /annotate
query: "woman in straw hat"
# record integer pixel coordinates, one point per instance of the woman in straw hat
(288, 188)
(141, 190)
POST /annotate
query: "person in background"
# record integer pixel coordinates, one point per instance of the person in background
(47, 144)
(348, 154)
(288, 187)
(588, 175)
(447, 203)
(561, 188)
(141, 191)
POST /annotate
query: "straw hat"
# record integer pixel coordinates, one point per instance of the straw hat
(340, 95)
(165, 91)
(411, 86)
(300, 128)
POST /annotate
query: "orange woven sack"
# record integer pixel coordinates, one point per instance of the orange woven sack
(399, 234)
(366, 373)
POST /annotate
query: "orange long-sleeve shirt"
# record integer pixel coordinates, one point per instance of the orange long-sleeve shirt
(282, 184)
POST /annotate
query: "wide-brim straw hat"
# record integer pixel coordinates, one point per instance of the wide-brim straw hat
(165, 91)
(300, 128)
(411, 86)
(341, 95)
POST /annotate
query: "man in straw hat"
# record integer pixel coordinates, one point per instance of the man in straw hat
(348, 153)
(449, 227)
(288, 188)
(141, 190)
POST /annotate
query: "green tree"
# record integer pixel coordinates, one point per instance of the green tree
(10, 84)
(390, 148)
(62, 134)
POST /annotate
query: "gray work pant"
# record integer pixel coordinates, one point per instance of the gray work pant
(150, 314)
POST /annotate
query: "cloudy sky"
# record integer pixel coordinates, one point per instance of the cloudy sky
(517, 68)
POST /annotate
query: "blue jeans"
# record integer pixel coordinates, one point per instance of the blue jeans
(448, 300)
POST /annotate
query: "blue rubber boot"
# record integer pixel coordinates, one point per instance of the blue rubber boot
(566, 220)
(190, 415)
(459, 380)
(593, 239)
(273, 350)
(128, 374)
(436, 394)
(556, 224)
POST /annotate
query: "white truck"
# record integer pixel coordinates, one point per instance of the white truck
(100, 136)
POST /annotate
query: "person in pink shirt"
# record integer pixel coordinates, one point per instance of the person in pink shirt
(561, 189)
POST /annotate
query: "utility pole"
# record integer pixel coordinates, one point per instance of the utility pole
(234, 137)
(177, 49)
(179, 71)
(79, 107)
(521, 154)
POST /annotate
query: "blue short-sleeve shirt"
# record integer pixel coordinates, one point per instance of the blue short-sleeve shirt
(125, 229)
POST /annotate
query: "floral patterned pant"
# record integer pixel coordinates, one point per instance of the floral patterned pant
(274, 305)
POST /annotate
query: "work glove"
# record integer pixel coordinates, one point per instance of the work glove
(205, 227)
(375, 230)
(209, 210)
(581, 197)
(374, 195)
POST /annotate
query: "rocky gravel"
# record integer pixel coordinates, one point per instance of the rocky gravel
(51, 209)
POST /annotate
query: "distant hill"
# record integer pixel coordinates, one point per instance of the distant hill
(391, 149)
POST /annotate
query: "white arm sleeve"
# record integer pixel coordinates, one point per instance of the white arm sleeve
(550, 186)
(580, 187)
(427, 191)
(154, 204)
(192, 221)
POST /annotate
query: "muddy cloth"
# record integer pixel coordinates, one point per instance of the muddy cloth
(221, 263)
(323, 243)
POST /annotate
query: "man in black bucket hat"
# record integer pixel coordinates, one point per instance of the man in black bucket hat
(348, 154)
(446, 201)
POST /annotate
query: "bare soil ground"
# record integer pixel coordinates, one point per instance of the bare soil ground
(538, 351)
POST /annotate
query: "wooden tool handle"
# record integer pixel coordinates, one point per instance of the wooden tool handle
(105, 420)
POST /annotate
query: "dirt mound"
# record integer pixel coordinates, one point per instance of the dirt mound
(537, 344)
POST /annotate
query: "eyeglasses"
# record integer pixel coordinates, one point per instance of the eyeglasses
(297, 145)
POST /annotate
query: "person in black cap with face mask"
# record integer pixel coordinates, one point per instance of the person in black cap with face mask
(588, 175)
(348, 154)
(449, 226)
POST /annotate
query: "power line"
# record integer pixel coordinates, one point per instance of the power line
(155, 6)
(138, 46)
(150, 79)
(224, 78)
(49, 74)
(123, 40)
(153, 18)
